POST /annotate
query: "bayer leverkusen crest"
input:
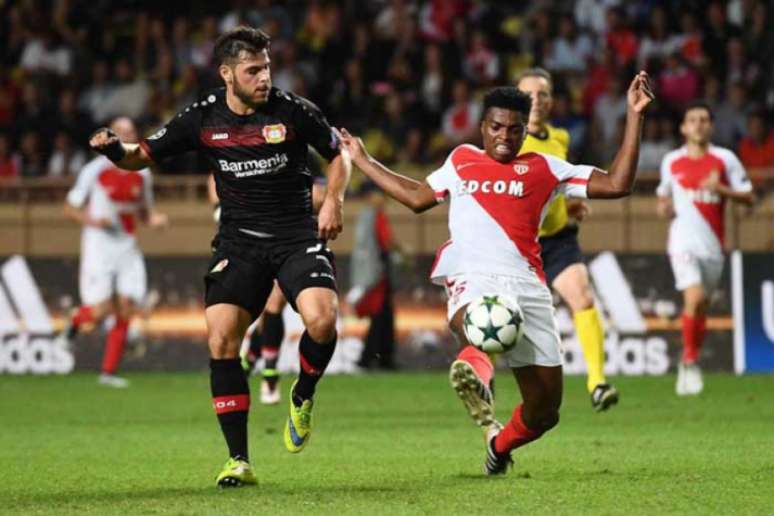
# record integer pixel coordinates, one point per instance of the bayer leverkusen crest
(274, 133)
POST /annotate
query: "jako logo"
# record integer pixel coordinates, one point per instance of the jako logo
(27, 342)
(220, 136)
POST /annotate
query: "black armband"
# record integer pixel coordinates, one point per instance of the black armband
(115, 150)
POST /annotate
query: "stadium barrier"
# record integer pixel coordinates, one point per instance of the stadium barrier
(635, 291)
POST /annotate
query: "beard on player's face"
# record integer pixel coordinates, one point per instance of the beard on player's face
(246, 92)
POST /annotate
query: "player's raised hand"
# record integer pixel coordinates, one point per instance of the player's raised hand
(330, 220)
(640, 95)
(354, 145)
(107, 143)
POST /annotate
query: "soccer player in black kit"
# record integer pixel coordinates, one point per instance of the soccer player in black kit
(255, 138)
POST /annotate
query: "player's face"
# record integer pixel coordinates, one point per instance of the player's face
(696, 126)
(251, 78)
(503, 132)
(542, 101)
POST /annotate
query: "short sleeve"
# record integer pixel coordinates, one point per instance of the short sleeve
(573, 179)
(85, 182)
(179, 135)
(314, 129)
(442, 180)
(664, 188)
(736, 174)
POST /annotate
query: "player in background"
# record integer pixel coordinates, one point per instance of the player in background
(108, 201)
(255, 139)
(562, 259)
(497, 200)
(696, 181)
(266, 334)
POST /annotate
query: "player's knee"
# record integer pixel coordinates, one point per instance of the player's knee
(221, 345)
(321, 326)
(549, 419)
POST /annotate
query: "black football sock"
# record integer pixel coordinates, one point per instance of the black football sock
(314, 358)
(271, 339)
(231, 401)
(254, 351)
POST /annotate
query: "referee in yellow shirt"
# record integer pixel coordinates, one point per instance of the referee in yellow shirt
(562, 259)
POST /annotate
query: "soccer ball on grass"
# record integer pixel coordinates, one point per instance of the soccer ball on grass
(493, 323)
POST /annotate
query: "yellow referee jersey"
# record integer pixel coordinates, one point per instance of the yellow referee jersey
(556, 143)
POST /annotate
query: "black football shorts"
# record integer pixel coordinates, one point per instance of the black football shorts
(559, 251)
(243, 269)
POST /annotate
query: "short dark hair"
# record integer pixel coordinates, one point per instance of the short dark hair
(699, 104)
(510, 98)
(541, 73)
(230, 45)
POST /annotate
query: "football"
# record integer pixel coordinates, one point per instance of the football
(493, 323)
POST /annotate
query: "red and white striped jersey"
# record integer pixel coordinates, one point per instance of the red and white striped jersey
(496, 209)
(114, 194)
(698, 226)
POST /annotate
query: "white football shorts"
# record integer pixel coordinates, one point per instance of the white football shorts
(541, 344)
(691, 270)
(102, 275)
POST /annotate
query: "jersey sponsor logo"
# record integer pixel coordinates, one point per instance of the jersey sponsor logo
(499, 187)
(521, 168)
(702, 196)
(254, 167)
(274, 133)
(219, 136)
(158, 134)
(27, 340)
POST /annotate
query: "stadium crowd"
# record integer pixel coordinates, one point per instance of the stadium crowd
(405, 74)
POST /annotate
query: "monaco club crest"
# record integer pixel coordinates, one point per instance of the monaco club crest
(274, 133)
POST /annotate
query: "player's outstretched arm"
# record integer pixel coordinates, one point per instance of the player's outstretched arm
(330, 219)
(413, 194)
(618, 181)
(128, 156)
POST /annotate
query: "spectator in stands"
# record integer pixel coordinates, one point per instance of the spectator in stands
(655, 144)
(30, 156)
(34, 112)
(67, 159)
(620, 38)
(716, 35)
(571, 50)
(756, 150)
(71, 120)
(731, 117)
(433, 83)
(461, 120)
(93, 98)
(678, 83)
(591, 14)
(482, 66)
(130, 95)
(45, 54)
(657, 44)
(608, 115)
(689, 40)
(562, 115)
(10, 96)
(9, 164)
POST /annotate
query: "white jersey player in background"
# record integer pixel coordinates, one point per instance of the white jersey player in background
(108, 202)
(498, 198)
(696, 181)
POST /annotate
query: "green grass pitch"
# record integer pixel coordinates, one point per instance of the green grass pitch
(383, 444)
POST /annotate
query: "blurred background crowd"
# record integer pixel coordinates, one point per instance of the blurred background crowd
(407, 75)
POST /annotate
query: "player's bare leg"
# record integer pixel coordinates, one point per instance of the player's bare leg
(271, 336)
(574, 287)
(694, 322)
(541, 392)
(318, 308)
(226, 326)
(85, 314)
(123, 308)
(470, 376)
